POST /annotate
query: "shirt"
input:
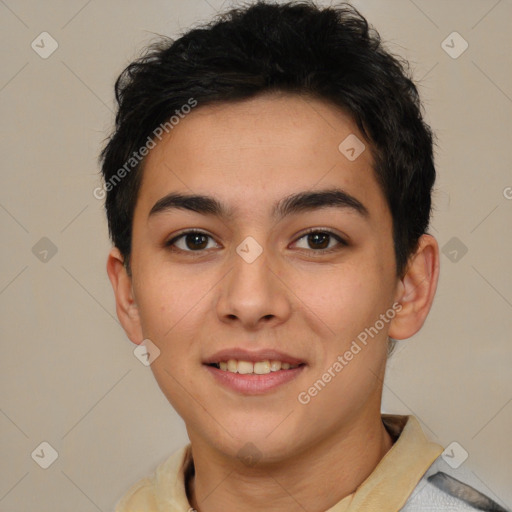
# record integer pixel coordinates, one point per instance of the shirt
(387, 488)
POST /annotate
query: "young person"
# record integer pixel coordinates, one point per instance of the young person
(268, 193)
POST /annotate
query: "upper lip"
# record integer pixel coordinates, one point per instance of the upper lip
(253, 356)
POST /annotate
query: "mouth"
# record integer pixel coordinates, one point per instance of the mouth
(255, 368)
(252, 374)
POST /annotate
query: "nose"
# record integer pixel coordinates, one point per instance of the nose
(252, 293)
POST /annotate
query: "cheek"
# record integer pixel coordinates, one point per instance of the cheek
(347, 299)
(164, 299)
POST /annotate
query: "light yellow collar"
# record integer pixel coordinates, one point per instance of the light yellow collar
(387, 488)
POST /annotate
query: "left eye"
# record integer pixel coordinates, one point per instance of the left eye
(320, 240)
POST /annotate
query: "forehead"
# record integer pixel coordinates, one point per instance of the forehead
(251, 153)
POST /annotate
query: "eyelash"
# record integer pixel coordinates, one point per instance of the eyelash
(341, 242)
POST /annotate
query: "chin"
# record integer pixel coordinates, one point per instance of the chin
(262, 443)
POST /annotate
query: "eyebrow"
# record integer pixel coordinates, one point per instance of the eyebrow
(293, 204)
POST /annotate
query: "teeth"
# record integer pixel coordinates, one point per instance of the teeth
(245, 367)
(262, 367)
(275, 366)
(258, 368)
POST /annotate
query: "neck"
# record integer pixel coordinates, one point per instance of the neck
(315, 480)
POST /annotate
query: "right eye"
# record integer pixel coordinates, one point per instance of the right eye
(190, 241)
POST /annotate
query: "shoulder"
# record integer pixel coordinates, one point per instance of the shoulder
(139, 497)
(431, 498)
(164, 489)
(443, 488)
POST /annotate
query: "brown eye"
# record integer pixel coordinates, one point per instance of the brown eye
(189, 241)
(321, 241)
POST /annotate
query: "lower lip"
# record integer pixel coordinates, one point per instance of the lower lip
(252, 384)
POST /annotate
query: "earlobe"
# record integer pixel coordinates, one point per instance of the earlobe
(126, 307)
(416, 290)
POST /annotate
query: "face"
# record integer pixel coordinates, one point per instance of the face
(262, 279)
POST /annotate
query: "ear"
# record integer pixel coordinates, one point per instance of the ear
(126, 308)
(416, 289)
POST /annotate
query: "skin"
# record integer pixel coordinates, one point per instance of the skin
(291, 298)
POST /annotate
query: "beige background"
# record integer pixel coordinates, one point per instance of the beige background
(68, 373)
